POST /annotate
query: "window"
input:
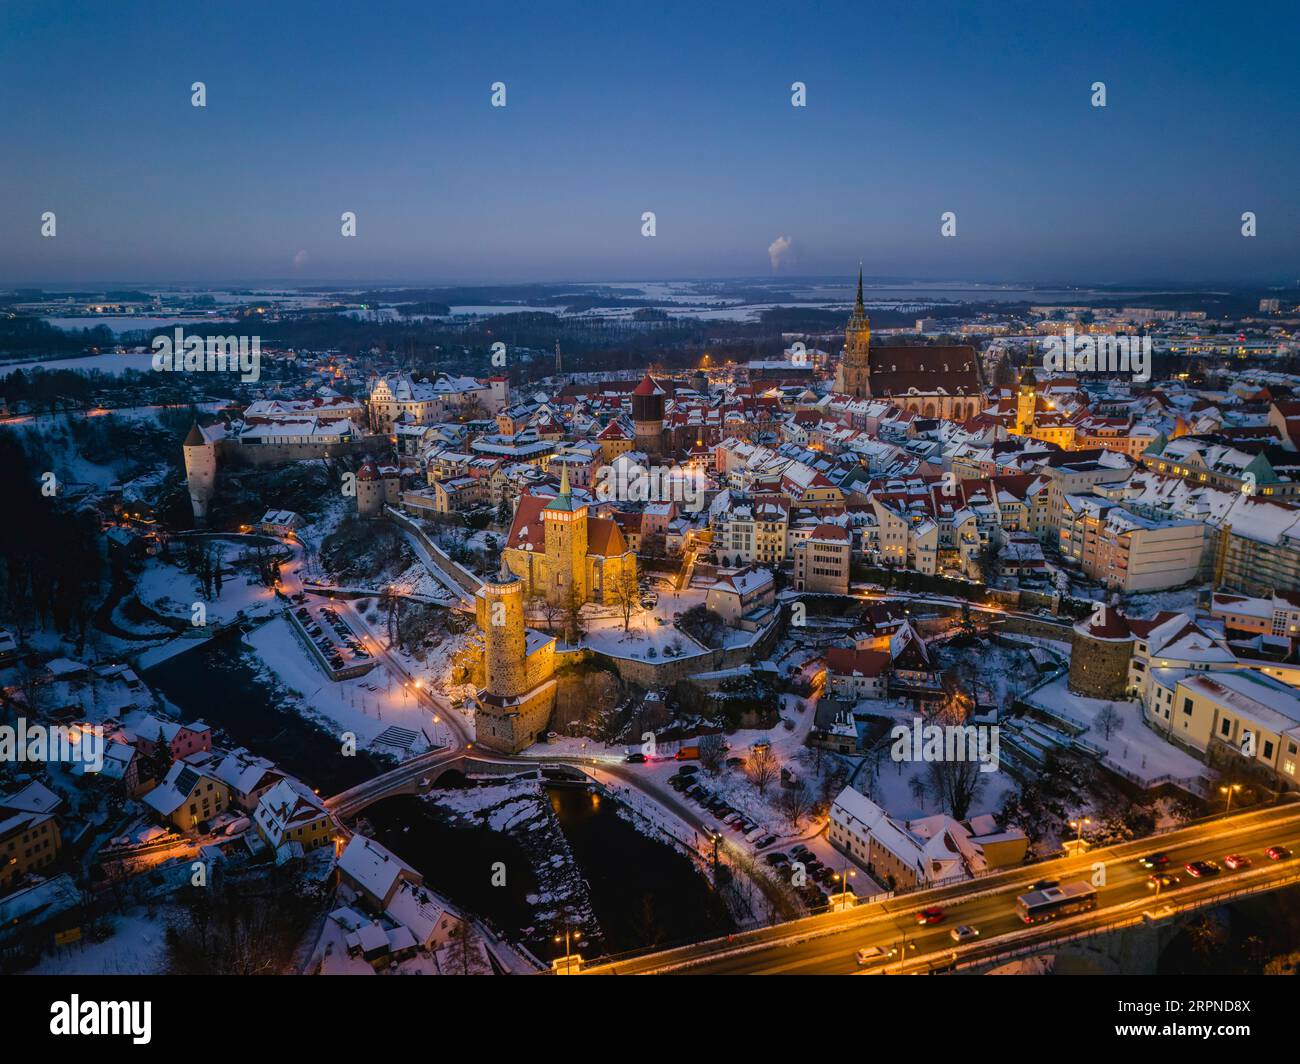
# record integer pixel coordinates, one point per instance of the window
(1187, 706)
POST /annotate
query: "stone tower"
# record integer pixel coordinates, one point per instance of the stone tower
(854, 375)
(1026, 397)
(1101, 647)
(370, 491)
(518, 693)
(566, 546)
(648, 416)
(200, 471)
(500, 609)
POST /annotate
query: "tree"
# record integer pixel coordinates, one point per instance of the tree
(1108, 720)
(574, 628)
(626, 593)
(761, 767)
(955, 785)
(794, 802)
(712, 748)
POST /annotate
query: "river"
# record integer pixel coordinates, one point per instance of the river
(642, 891)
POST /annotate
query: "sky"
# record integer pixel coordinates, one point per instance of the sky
(614, 109)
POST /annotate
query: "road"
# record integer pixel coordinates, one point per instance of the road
(826, 944)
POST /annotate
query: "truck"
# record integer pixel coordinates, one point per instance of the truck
(688, 753)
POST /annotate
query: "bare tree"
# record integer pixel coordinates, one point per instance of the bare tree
(795, 803)
(761, 767)
(626, 594)
(1108, 720)
(955, 785)
(712, 749)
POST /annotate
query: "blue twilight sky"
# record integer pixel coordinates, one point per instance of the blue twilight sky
(913, 109)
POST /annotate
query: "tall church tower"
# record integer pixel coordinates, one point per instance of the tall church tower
(854, 375)
(566, 546)
(1026, 400)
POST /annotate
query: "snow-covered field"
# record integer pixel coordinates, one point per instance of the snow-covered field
(365, 705)
(1132, 746)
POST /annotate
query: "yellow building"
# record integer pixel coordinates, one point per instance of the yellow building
(563, 554)
(29, 834)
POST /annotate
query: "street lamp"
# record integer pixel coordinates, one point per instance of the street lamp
(844, 875)
(1080, 825)
(1230, 790)
(568, 953)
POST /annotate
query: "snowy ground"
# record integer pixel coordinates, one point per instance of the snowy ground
(169, 590)
(137, 946)
(365, 705)
(652, 629)
(1132, 746)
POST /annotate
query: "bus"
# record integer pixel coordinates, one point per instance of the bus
(1068, 898)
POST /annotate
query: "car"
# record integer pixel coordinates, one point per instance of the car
(1046, 884)
(1278, 853)
(1200, 869)
(1236, 861)
(688, 770)
(1162, 880)
(932, 915)
(870, 953)
(1154, 860)
(775, 858)
(765, 842)
(964, 933)
(635, 759)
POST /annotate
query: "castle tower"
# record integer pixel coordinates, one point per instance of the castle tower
(370, 491)
(500, 611)
(854, 375)
(1026, 398)
(648, 416)
(566, 547)
(1101, 647)
(518, 693)
(200, 471)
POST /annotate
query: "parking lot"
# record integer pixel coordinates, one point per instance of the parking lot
(821, 882)
(338, 648)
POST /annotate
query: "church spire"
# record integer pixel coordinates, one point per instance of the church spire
(564, 480)
(858, 307)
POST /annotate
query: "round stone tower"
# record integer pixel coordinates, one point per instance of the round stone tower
(1101, 647)
(500, 607)
(200, 470)
(370, 491)
(648, 416)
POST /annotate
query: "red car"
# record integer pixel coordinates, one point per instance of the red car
(1236, 860)
(931, 915)
(1278, 853)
